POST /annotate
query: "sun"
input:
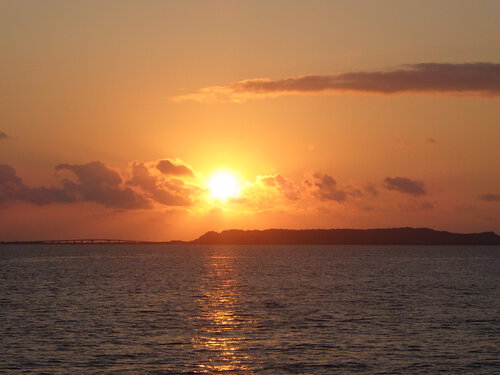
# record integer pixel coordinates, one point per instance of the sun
(224, 185)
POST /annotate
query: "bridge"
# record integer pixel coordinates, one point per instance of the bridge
(92, 241)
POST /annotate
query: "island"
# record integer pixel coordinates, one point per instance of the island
(387, 236)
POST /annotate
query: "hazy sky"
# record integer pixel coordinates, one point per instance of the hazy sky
(331, 114)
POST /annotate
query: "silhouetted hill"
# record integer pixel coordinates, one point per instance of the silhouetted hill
(391, 236)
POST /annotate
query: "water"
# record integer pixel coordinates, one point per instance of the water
(144, 309)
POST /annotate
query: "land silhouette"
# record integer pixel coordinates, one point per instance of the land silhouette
(385, 236)
(390, 236)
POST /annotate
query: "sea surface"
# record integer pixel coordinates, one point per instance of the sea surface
(148, 309)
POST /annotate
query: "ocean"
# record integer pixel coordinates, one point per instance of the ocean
(164, 309)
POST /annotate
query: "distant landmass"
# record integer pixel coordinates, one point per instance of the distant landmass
(390, 236)
(387, 236)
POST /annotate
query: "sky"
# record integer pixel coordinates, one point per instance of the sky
(115, 116)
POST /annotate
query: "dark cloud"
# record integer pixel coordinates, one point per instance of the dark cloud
(405, 185)
(172, 192)
(431, 141)
(481, 78)
(490, 197)
(94, 174)
(169, 167)
(96, 182)
(12, 189)
(324, 187)
(93, 182)
(10, 183)
(286, 186)
(472, 78)
(3, 135)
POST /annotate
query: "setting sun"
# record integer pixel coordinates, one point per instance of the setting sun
(224, 185)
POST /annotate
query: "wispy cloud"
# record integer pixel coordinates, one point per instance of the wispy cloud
(490, 197)
(463, 79)
(405, 185)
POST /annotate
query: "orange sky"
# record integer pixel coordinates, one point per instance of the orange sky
(356, 114)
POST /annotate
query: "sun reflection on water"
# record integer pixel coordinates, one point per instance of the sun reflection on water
(220, 327)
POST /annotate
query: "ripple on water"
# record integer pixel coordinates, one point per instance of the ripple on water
(126, 309)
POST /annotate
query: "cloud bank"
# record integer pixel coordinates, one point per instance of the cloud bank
(170, 183)
(98, 183)
(92, 182)
(479, 78)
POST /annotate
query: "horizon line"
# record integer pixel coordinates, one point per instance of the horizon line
(111, 241)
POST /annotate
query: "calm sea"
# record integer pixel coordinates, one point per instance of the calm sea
(144, 309)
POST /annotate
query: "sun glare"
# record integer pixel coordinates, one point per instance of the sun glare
(224, 185)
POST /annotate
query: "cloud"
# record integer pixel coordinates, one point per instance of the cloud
(149, 188)
(169, 192)
(465, 79)
(12, 189)
(269, 193)
(324, 187)
(3, 135)
(490, 197)
(95, 182)
(405, 185)
(174, 168)
(95, 175)
(10, 183)
(316, 192)
(284, 185)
